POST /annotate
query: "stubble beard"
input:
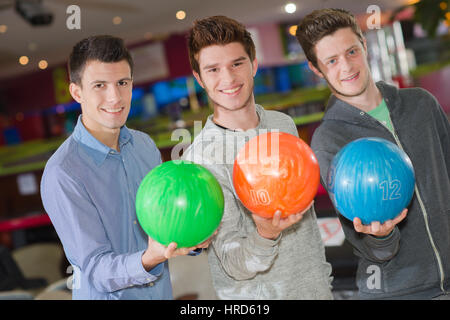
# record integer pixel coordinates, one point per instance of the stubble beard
(244, 105)
(346, 94)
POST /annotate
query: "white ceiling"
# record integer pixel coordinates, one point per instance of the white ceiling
(53, 43)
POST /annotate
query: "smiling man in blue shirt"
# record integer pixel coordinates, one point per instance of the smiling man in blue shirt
(89, 185)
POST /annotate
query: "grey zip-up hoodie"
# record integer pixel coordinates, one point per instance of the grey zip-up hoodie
(413, 262)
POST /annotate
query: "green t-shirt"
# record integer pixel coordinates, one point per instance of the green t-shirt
(381, 113)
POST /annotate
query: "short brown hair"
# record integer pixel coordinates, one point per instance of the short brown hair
(217, 30)
(103, 48)
(321, 23)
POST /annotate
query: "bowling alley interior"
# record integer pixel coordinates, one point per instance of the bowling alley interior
(408, 45)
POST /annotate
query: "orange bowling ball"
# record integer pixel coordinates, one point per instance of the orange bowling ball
(276, 171)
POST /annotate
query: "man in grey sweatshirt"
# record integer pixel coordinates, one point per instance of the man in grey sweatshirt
(407, 257)
(250, 257)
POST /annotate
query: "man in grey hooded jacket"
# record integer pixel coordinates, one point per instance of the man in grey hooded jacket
(407, 257)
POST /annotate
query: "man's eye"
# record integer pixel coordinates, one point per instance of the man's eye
(99, 85)
(237, 64)
(213, 70)
(332, 61)
(122, 83)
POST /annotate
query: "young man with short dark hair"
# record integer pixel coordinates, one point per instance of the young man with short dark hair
(89, 184)
(407, 257)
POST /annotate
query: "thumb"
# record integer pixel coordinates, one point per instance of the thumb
(170, 250)
(276, 218)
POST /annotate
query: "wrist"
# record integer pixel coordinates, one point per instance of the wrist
(149, 261)
(384, 236)
(268, 235)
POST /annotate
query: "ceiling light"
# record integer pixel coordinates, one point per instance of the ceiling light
(290, 7)
(181, 15)
(43, 64)
(3, 28)
(23, 60)
(34, 12)
(293, 30)
(117, 20)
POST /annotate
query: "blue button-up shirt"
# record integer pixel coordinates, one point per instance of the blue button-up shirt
(89, 192)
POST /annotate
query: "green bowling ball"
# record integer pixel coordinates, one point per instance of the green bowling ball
(179, 201)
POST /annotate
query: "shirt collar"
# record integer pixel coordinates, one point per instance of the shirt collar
(261, 124)
(339, 110)
(96, 149)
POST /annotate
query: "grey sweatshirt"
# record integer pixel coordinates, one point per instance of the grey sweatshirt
(243, 264)
(414, 261)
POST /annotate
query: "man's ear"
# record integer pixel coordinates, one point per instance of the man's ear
(75, 92)
(365, 46)
(314, 69)
(255, 66)
(198, 78)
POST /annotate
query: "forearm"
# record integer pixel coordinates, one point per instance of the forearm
(242, 257)
(369, 247)
(110, 272)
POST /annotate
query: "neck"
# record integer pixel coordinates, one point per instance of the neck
(244, 118)
(109, 138)
(368, 100)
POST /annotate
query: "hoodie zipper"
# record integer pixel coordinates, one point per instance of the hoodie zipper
(424, 213)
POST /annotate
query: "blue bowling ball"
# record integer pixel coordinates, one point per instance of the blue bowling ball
(372, 179)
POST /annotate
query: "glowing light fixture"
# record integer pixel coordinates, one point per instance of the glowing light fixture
(180, 15)
(23, 60)
(290, 7)
(293, 30)
(43, 64)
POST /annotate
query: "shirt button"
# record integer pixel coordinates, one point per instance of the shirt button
(151, 284)
(361, 113)
(135, 222)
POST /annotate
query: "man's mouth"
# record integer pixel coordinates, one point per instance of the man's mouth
(352, 77)
(231, 90)
(113, 110)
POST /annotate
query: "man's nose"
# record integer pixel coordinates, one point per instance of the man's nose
(346, 65)
(228, 75)
(113, 94)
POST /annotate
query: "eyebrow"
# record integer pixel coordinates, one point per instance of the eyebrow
(104, 81)
(210, 66)
(346, 50)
